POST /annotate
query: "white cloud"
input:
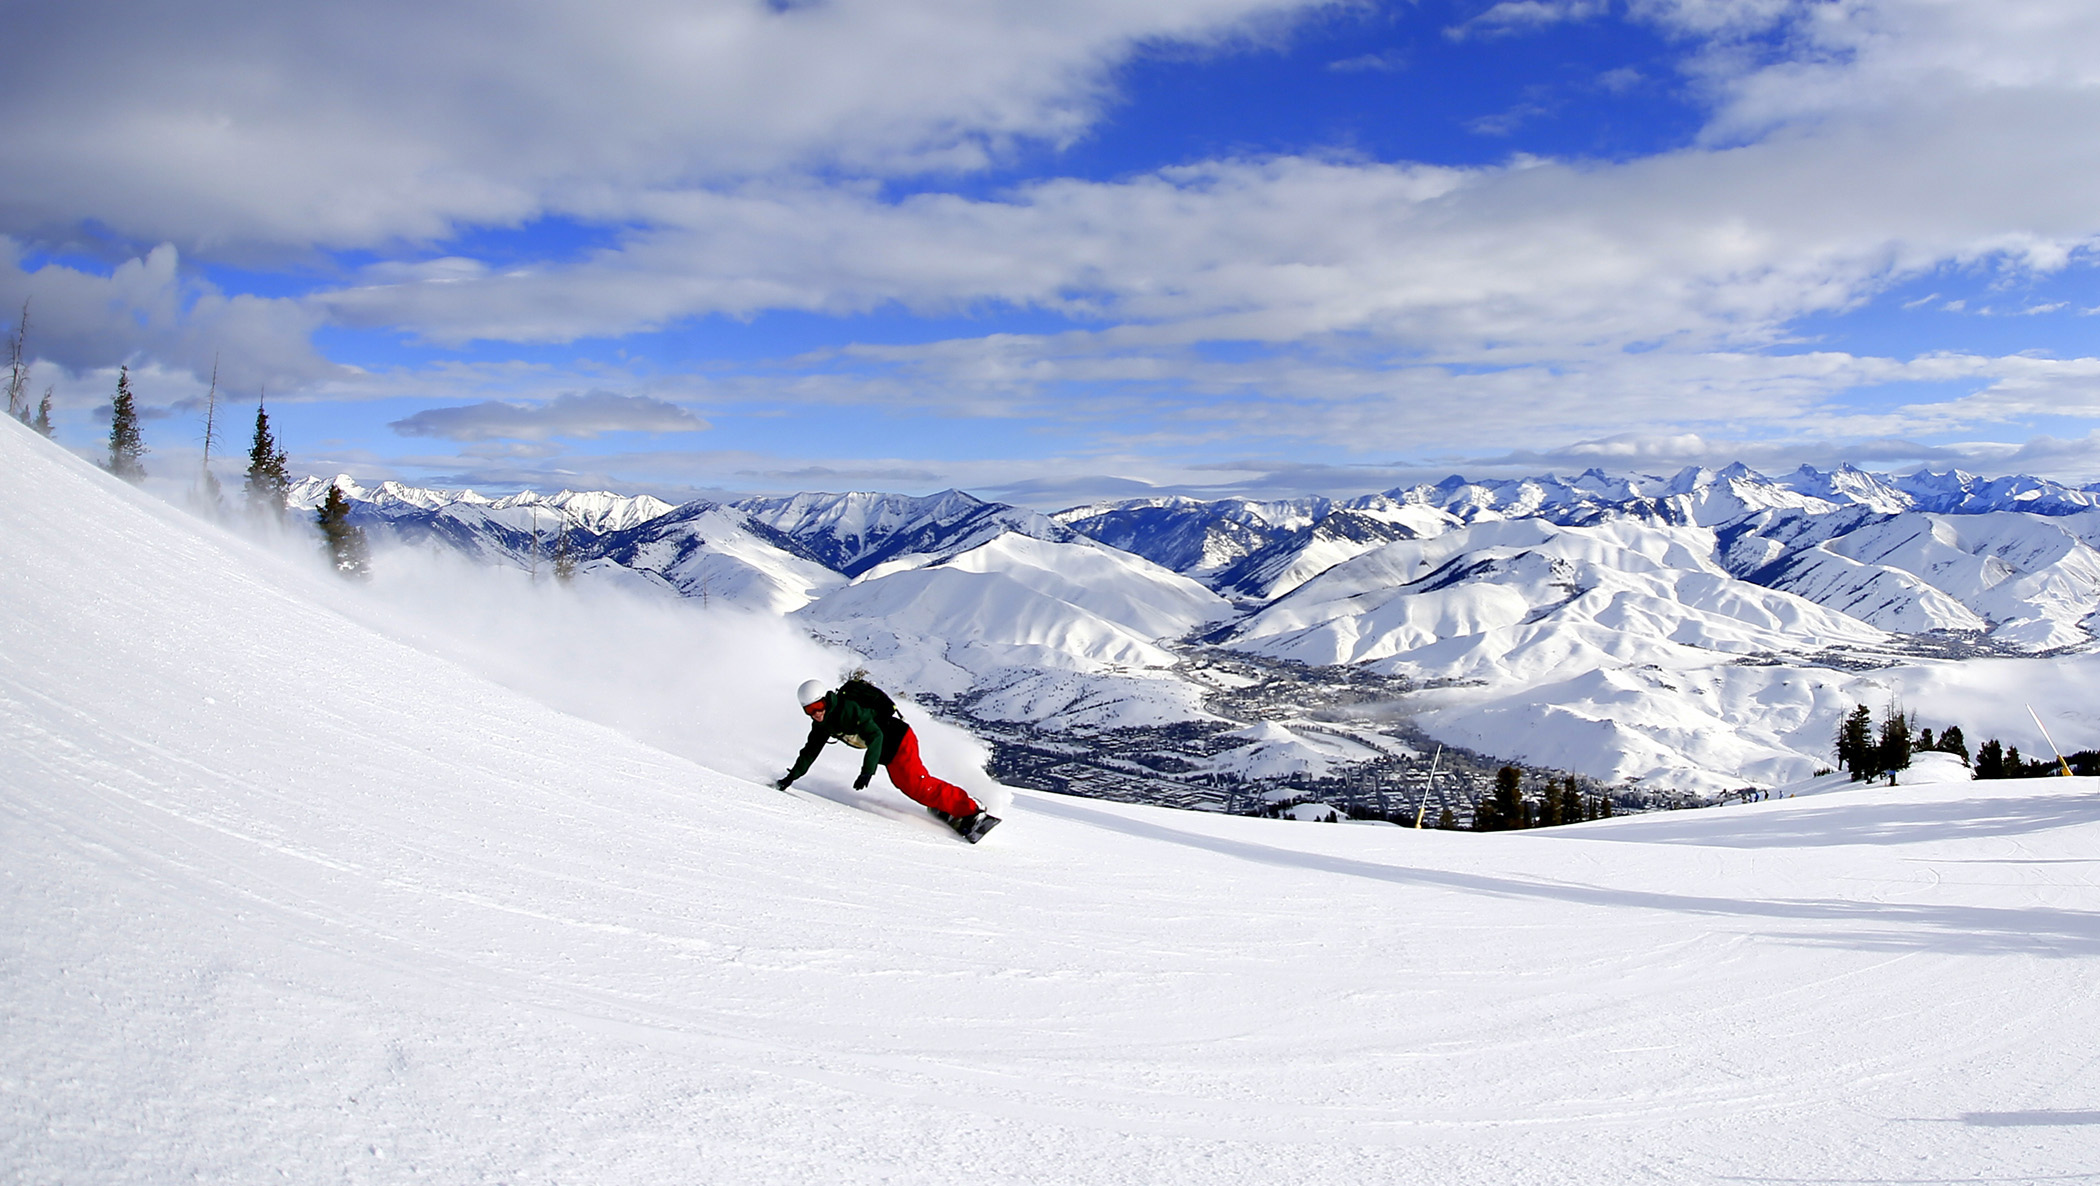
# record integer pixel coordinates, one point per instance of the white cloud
(1699, 247)
(145, 308)
(1720, 18)
(1506, 122)
(1386, 62)
(589, 414)
(1914, 135)
(1622, 80)
(1171, 400)
(1855, 145)
(230, 124)
(1516, 16)
(1865, 59)
(2075, 459)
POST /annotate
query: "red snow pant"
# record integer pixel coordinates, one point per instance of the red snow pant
(909, 775)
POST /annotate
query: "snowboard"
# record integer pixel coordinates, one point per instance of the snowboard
(980, 824)
(974, 829)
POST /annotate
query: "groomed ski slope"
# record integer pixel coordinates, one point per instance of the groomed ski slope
(285, 898)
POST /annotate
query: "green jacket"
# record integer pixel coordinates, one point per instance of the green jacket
(853, 724)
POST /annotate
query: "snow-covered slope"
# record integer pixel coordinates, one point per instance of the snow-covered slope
(1615, 650)
(1524, 598)
(2028, 581)
(1256, 550)
(1197, 538)
(287, 899)
(853, 533)
(1690, 630)
(1955, 492)
(706, 551)
(1348, 530)
(1040, 630)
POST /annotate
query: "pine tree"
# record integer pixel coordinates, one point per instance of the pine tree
(1508, 809)
(1893, 753)
(1952, 742)
(268, 482)
(1990, 759)
(1485, 817)
(42, 423)
(125, 446)
(346, 540)
(1445, 821)
(1855, 744)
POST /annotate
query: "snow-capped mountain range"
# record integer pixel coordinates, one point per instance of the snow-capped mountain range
(1698, 630)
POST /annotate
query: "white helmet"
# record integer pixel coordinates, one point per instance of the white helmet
(810, 692)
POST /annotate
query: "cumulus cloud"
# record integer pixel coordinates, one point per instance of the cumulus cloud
(734, 155)
(229, 125)
(147, 308)
(587, 415)
(1877, 58)
(1693, 248)
(1862, 144)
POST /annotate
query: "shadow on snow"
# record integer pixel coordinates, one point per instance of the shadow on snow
(1948, 929)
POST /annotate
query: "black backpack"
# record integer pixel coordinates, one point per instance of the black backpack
(870, 697)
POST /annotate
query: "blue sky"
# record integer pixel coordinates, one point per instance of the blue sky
(1055, 253)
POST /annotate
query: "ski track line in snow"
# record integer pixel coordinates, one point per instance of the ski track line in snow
(599, 1011)
(2051, 931)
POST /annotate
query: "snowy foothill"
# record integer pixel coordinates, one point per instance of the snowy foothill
(311, 881)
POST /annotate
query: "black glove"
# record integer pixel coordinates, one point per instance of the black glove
(861, 783)
(783, 782)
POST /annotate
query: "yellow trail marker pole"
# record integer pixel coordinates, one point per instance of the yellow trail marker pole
(2051, 740)
(1426, 785)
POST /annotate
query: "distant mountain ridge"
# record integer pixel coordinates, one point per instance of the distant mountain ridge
(1693, 628)
(1250, 548)
(854, 533)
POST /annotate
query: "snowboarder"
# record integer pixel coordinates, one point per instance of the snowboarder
(864, 717)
